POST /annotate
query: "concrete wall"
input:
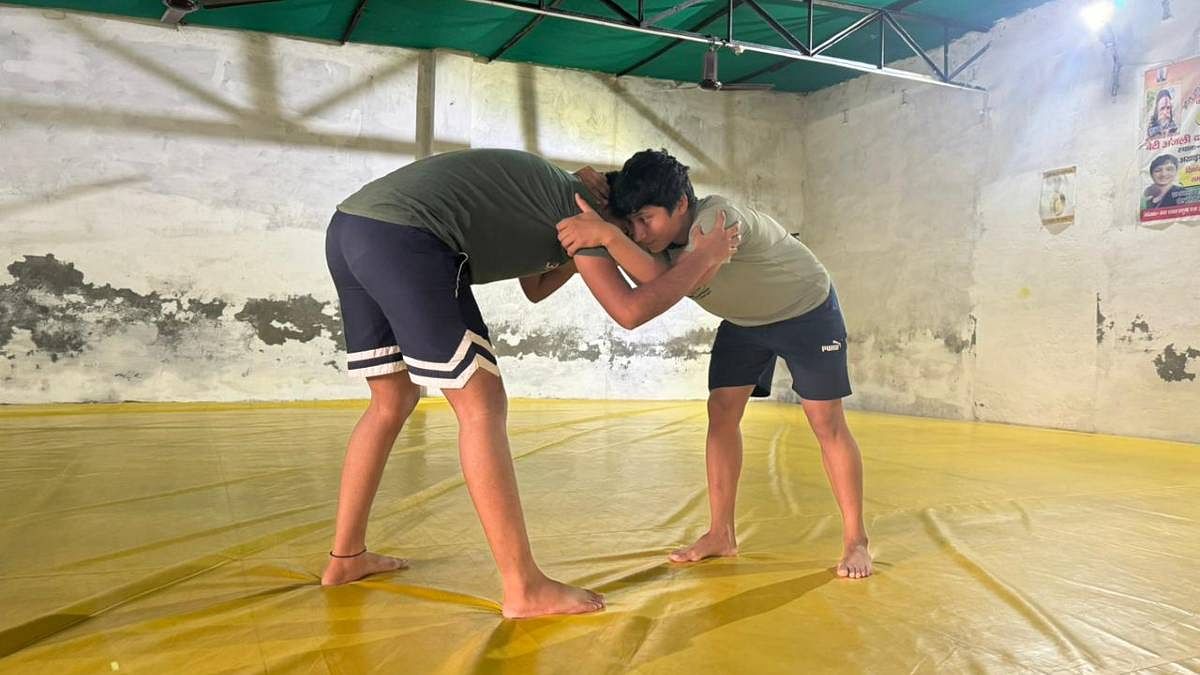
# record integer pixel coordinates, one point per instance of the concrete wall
(164, 193)
(923, 202)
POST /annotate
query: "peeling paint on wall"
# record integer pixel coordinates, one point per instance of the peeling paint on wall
(692, 345)
(50, 299)
(958, 344)
(64, 313)
(1138, 325)
(565, 344)
(299, 317)
(1172, 365)
(1103, 325)
(569, 344)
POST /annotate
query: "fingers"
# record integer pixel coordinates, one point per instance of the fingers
(582, 203)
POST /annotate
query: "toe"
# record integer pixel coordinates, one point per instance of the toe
(842, 570)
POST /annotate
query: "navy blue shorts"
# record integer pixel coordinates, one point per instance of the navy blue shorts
(406, 303)
(813, 345)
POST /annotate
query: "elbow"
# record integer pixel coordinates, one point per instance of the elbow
(532, 294)
(630, 319)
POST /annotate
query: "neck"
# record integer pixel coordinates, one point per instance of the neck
(685, 232)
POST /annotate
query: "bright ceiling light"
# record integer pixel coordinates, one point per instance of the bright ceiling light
(1098, 14)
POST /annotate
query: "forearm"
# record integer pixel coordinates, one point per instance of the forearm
(554, 279)
(660, 294)
(640, 265)
(538, 287)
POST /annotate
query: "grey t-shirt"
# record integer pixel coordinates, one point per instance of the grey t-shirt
(499, 207)
(771, 277)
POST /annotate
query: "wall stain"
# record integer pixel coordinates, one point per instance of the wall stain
(1138, 325)
(1172, 365)
(561, 345)
(955, 343)
(64, 312)
(568, 344)
(1103, 325)
(298, 317)
(690, 346)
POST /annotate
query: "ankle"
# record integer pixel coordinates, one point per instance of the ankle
(524, 583)
(855, 541)
(723, 532)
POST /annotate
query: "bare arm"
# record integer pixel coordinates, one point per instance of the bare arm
(632, 307)
(588, 229)
(538, 287)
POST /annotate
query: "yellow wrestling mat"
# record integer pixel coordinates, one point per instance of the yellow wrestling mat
(188, 539)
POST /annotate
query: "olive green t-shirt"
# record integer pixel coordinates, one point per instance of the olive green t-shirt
(499, 207)
(771, 277)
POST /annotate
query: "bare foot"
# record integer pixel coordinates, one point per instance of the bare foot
(551, 597)
(856, 561)
(711, 545)
(344, 570)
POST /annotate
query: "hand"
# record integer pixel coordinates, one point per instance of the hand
(719, 245)
(585, 230)
(596, 184)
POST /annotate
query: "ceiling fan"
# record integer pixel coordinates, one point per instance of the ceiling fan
(178, 9)
(711, 82)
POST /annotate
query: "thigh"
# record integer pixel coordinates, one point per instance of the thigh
(739, 359)
(814, 347)
(423, 287)
(371, 348)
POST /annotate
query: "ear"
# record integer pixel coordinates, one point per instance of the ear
(682, 205)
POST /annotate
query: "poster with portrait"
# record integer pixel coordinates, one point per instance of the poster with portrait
(1057, 205)
(1170, 143)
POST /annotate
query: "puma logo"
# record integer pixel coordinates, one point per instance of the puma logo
(832, 348)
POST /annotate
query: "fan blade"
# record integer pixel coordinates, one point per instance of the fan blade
(710, 66)
(174, 16)
(221, 4)
(747, 87)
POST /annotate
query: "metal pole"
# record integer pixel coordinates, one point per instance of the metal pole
(729, 22)
(743, 46)
(882, 42)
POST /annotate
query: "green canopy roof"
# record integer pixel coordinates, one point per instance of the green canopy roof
(484, 30)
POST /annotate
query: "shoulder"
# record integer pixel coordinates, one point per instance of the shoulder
(713, 203)
(708, 208)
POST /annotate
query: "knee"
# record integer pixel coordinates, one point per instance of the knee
(394, 408)
(488, 408)
(829, 431)
(723, 413)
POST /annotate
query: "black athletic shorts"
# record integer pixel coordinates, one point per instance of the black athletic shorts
(813, 345)
(406, 303)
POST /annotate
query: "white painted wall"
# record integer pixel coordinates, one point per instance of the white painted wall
(211, 180)
(202, 166)
(923, 204)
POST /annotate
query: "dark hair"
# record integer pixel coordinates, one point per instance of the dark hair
(651, 178)
(611, 177)
(1163, 159)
